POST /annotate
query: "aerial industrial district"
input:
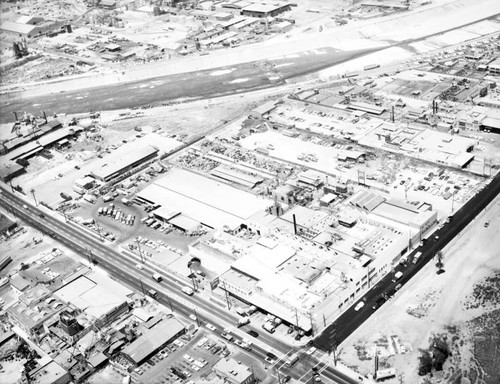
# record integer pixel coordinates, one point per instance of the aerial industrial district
(250, 191)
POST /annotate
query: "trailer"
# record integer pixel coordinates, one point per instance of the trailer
(371, 66)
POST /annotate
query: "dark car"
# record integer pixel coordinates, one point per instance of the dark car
(271, 357)
(378, 303)
(286, 379)
(252, 333)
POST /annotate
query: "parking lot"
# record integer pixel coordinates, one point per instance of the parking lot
(188, 358)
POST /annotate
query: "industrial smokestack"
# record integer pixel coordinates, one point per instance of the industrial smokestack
(392, 114)
(15, 115)
(45, 117)
(294, 225)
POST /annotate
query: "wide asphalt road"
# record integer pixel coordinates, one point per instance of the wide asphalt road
(193, 85)
(348, 322)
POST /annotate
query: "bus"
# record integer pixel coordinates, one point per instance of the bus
(292, 360)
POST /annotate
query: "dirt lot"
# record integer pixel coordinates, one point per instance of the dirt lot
(462, 306)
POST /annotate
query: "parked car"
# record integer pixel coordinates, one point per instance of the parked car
(360, 305)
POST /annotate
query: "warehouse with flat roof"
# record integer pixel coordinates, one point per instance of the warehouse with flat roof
(123, 160)
(154, 339)
(203, 200)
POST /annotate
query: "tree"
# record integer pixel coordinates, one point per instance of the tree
(440, 352)
(425, 365)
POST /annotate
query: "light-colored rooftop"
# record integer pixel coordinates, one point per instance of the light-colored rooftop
(90, 297)
(153, 339)
(230, 367)
(122, 158)
(16, 27)
(207, 201)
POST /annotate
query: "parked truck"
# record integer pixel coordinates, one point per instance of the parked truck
(243, 321)
(417, 257)
(157, 277)
(292, 360)
(188, 290)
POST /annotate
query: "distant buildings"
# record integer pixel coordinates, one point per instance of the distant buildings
(28, 27)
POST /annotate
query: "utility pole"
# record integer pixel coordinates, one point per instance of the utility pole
(333, 348)
(453, 200)
(99, 231)
(407, 187)
(140, 251)
(142, 286)
(196, 315)
(192, 275)
(65, 215)
(89, 256)
(170, 303)
(34, 197)
(226, 294)
(312, 324)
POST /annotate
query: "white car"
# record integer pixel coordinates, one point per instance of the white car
(139, 266)
(211, 327)
(311, 350)
(192, 317)
(359, 306)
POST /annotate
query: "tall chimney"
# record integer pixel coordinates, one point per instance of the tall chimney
(294, 225)
(15, 115)
(45, 117)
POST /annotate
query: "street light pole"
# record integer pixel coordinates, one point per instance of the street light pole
(140, 251)
(34, 197)
(196, 315)
(453, 201)
(142, 286)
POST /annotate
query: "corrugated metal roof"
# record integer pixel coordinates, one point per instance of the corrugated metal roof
(11, 26)
(153, 339)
